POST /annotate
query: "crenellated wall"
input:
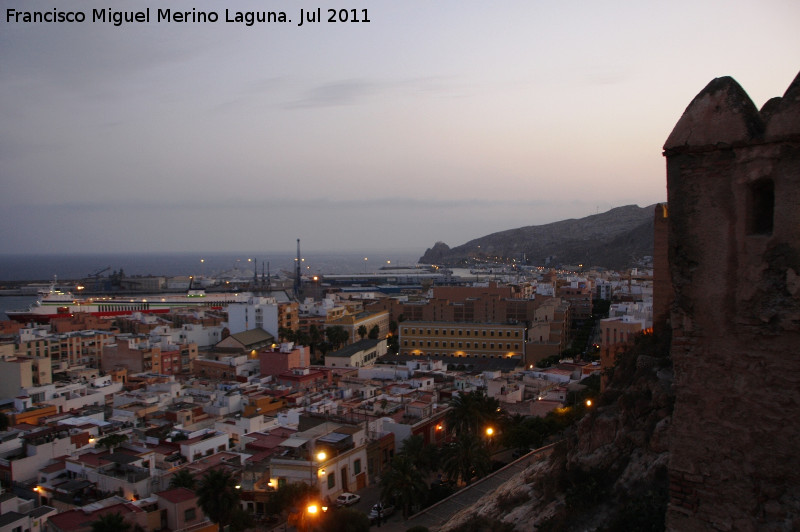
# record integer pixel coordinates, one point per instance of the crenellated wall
(733, 182)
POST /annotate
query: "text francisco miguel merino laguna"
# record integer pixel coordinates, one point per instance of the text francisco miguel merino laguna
(248, 18)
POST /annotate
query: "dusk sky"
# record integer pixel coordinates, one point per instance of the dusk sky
(438, 120)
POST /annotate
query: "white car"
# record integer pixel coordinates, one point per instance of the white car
(347, 499)
(384, 509)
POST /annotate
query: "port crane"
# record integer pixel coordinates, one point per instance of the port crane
(96, 276)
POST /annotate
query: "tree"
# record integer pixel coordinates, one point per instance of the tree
(362, 331)
(112, 440)
(393, 344)
(337, 335)
(111, 522)
(314, 337)
(286, 334)
(466, 458)
(345, 520)
(524, 433)
(393, 327)
(218, 497)
(473, 412)
(182, 479)
(302, 338)
(404, 483)
(374, 332)
(290, 495)
(425, 456)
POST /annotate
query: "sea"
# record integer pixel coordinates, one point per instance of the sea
(16, 269)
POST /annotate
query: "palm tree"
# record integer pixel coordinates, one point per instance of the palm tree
(473, 412)
(423, 455)
(182, 479)
(337, 335)
(314, 337)
(362, 331)
(112, 522)
(218, 497)
(467, 457)
(404, 483)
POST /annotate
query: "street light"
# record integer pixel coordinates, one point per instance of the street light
(320, 456)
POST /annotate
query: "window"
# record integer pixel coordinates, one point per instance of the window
(331, 480)
(761, 207)
(189, 514)
(357, 467)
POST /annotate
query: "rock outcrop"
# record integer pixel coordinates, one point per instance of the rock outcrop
(609, 473)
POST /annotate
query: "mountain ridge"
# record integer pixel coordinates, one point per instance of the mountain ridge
(613, 239)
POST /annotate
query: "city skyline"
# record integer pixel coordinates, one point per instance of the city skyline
(439, 121)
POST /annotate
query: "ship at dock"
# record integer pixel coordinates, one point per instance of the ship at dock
(56, 303)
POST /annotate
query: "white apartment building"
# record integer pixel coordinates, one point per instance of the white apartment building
(256, 313)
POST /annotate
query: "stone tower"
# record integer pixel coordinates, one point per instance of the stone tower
(733, 184)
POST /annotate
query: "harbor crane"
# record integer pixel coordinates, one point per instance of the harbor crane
(96, 276)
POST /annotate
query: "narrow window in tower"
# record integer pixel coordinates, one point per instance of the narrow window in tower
(761, 207)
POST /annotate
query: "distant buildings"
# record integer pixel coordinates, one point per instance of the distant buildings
(199, 389)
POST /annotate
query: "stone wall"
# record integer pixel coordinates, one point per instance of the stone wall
(662, 287)
(733, 182)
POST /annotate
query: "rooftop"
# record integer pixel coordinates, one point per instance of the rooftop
(176, 495)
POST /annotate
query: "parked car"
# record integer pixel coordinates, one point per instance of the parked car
(347, 499)
(384, 509)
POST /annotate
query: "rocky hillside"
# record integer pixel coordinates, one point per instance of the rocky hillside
(608, 474)
(613, 239)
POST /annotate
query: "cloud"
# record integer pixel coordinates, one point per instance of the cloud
(335, 94)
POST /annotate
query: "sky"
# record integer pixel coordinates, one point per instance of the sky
(438, 120)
